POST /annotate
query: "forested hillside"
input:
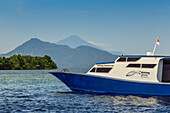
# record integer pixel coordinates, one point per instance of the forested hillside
(18, 62)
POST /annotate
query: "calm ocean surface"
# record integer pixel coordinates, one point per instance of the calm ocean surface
(38, 91)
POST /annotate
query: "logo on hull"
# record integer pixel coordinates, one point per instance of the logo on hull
(142, 74)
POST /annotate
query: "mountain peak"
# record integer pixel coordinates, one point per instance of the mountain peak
(34, 39)
(74, 37)
(75, 41)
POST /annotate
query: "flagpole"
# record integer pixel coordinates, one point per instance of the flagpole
(154, 49)
(155, 46)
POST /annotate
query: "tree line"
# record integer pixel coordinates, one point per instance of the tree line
(27, 62)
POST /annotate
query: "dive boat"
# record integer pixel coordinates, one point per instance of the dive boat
(129, 74)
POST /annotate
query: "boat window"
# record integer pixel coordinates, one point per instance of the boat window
(122, 59)
(93, 70)
(148, 65)
(133, 65)
(103, 70)
(166, 70)
(133, 59)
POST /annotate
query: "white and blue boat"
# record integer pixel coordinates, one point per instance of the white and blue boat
(128, 74)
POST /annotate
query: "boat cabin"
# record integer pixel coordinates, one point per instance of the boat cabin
(144, 68)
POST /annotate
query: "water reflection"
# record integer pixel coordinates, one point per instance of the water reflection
(117, 103)
(163, 100)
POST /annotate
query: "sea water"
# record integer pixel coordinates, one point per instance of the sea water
(38, 91)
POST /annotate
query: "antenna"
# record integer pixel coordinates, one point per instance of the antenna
(157, 43)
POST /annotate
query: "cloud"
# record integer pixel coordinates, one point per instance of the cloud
(92, 43)
(18, 6)
(22, 8)
(97, 44)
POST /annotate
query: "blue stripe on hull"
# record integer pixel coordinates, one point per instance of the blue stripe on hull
(105, 85)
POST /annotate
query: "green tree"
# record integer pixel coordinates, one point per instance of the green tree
(19, 62)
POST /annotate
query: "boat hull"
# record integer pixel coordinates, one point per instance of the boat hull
(99, 84)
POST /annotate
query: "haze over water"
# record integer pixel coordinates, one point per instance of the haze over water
(39, 91)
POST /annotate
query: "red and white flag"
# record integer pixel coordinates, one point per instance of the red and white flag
(157, 41)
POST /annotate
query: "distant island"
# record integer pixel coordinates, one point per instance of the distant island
(27, 62)
(82, 57)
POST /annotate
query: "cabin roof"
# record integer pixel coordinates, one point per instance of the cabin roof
(143, 56)
(105, 62)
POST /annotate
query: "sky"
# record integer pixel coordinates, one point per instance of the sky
(129, 26)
